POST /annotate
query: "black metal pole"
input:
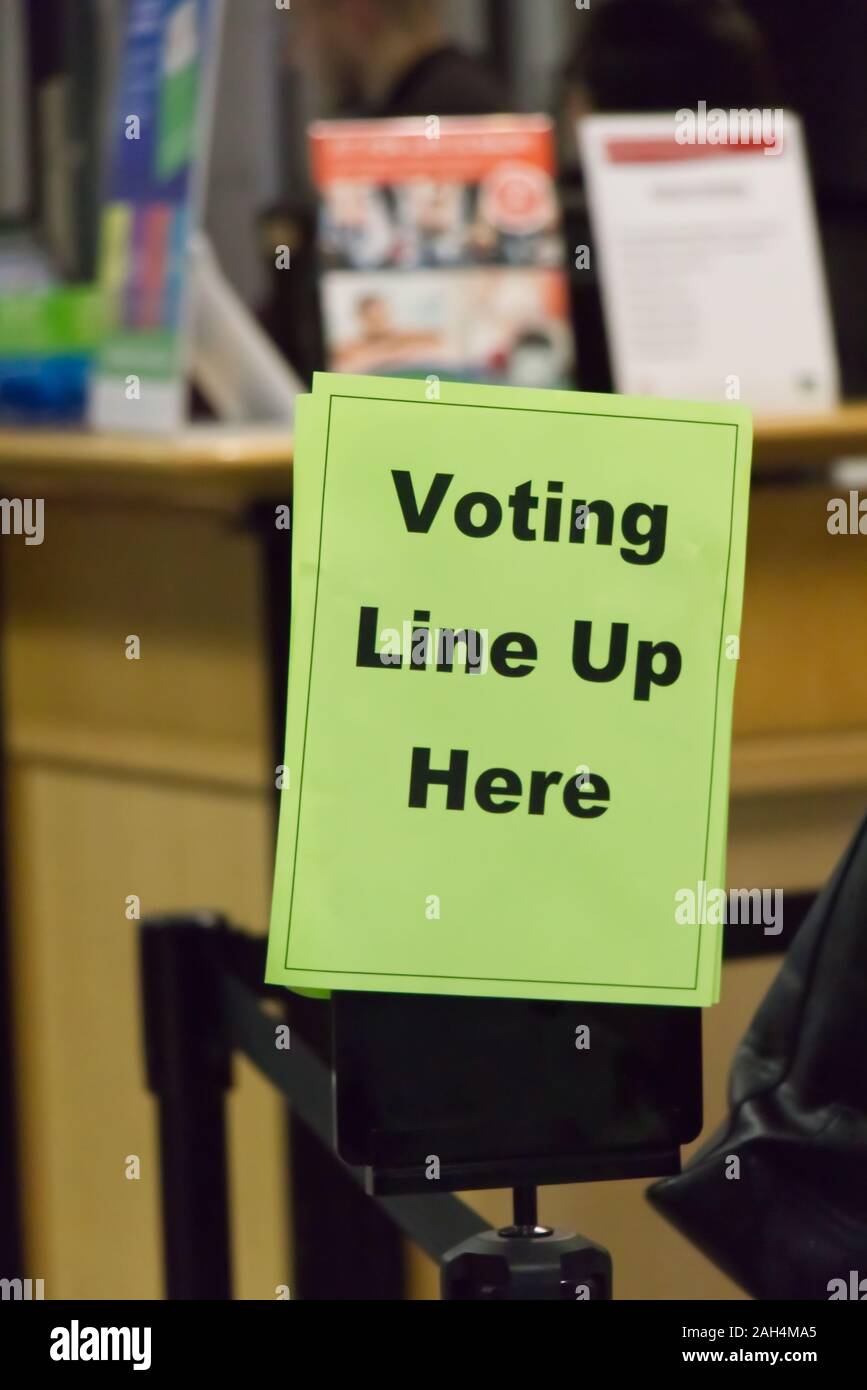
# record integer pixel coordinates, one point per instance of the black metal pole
(188, 1070)
(525, 1207)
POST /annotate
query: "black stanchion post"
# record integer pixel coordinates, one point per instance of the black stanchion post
(188, 1070)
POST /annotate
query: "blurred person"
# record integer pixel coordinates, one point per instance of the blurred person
(663, 55)
(393, 58)
(822, 78)
(645, 56)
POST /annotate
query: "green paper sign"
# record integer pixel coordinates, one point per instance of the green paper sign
(513, 650)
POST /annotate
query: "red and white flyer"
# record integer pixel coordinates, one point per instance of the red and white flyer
(441, 249)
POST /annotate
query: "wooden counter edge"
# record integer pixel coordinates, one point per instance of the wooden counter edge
(762, 765)
(808, 441)
(257, 458)
(789, 764)
(204, 467)
(233, 455)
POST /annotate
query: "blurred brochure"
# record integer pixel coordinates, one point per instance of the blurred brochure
(163, 113)
(48, 338)
(709, 258)
(441, 249)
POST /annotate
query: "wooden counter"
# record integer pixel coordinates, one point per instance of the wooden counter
(153, 778)
(258, 460)
(810, 441)
(149, 778)
(204, 467)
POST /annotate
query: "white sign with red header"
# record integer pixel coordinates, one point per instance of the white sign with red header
(709, 258)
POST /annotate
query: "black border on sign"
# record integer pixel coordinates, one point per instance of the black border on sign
(526, 410)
